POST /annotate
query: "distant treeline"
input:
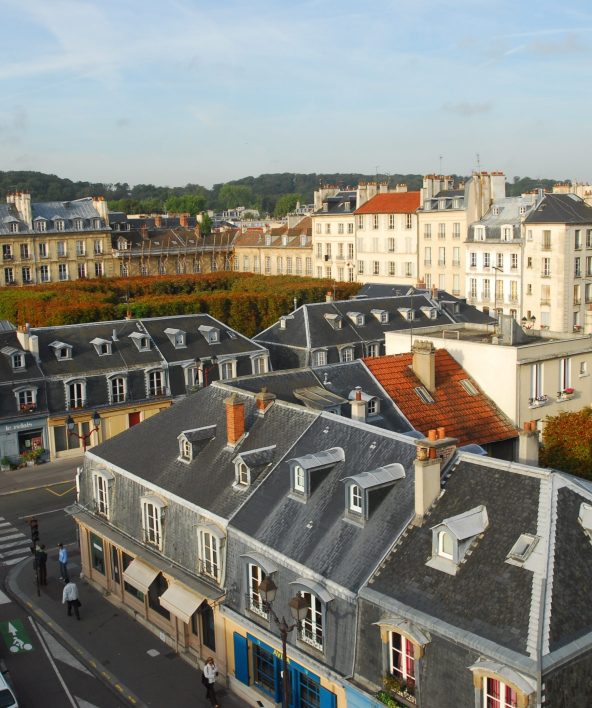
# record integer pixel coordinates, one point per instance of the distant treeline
(269, 193)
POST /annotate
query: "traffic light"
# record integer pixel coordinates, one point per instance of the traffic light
(34, 524)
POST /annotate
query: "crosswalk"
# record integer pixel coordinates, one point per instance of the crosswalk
(14, 545)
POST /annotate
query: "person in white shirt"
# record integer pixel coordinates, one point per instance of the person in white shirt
(70, 595)
(210, 673)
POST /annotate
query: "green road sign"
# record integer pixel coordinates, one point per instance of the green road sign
(15, 637)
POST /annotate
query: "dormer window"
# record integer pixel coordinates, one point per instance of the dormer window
(585, 518)
(26, 398)
(479, 232)
(210, 334)
(381, 315)
(360, 489)
(177, 337)
(60, 224)
(407, 313)
(319, 357)
(334, 320)
(249, 464)
(452, 538)
(299, 479)
(122, 244)
(153, 512)
(40, 224)
(356, 317)
(78, 224)
(97, 223)
(495, 211)
(142, 341)
(102, 346)
(14, 227)
(303, 239)
(16, 357)
(430, 312)
(185, 449)
(521, 550)
(268, 239)
(346, 354)
(62, 351)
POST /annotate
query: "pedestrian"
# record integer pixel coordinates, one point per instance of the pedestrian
(63, 561)
(41, 559)
(210, 673)
(70, 595)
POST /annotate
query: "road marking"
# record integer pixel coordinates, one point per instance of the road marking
(11, 538)
(60, 652)
(14, 543)
(52, 662)
(15, 637)
(85, 704)
(13, 561)
(5, 523)
(14, 552)
(60, 494)
(4, 598)
(41, 513)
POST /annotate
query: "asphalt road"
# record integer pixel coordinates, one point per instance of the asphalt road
(46, 674)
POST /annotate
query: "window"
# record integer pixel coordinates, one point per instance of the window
(99, 272)
(63, 271)
(445, 545)
(355, 499)
(486, 260)
(299, 479)
(546, 240)
(347, 354)
(588, 265)
(44, 274)
(577, 239)
(514, 261)
(101, 482)
(375, 267)
(14, 227)
(288, 265)
(402, 658)
(408, 221)
(256, 576)
(186, 450)
(564, 373)
(6, 252)
(391, 268)
(319, 358)
(442, 256)
(350, 250)
(536, 381)
(499, 261)
(318, 228)
(75, 392)
(155, 383)
(26, 399)
(427, 259)
(17, 360)
(9, 276)
(227, 369)
(441, 230)
(577, 267)
(497, 694)
(80, 248)
(327, 228)
(82, 270)
(506, 233)
(360, 221)
(479, 233)
(267, 265)
(308, 266)
(311, 627)
(25, 253)
(583, 368)
(209, 554)
(473, 259)
(43, 250)
(78, 224)
(264, 669)
(546, 268)
(98, 247)
(117, 389)
(152, 516)
(427, 231)
(374, 349)
(40, 225)
(473, 287)
(375, 221)
(391, 221)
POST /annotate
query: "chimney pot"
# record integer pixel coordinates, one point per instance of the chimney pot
(264, 399)
(441, 433)
(358, 393)
(432, 434)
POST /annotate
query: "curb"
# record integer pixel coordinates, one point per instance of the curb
(104, 675)
(40, 486)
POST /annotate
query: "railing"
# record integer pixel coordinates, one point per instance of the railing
(7, 257)
(538, 401)
(158, 392)
(27, 407)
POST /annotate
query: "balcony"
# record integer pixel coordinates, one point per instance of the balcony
(27, 407)
(157, 392)
(7, 257)
(427, 263)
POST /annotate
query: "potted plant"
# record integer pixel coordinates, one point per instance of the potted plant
(5, 464)
(32, 457)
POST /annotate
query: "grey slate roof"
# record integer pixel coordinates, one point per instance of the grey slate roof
(11, 379)
(50, 211)
(561, 209)
(150, 450)
(504, 212)
(316, 534)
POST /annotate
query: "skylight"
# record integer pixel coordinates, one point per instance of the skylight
(523, 547)
(424, 394)
(468, 387)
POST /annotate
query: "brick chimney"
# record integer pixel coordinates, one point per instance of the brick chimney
(101, 206)
(158, 221)
(424, 363)
(184, 219)
(528, 444)
(264, 399)
(432, 453)
(235, 420)
(358, 406)
(22, 202)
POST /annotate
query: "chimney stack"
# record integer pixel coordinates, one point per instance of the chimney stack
(528, 444)
(424, 363)
(22, 334)
(264, 400)
(235, 420)
(329, 296)
(358, 406)
(158, 221)
(432, 453)
(184, 219)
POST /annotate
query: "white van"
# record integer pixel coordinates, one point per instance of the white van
(7, 699)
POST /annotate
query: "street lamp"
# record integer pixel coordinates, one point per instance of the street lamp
(299, 609)
(85, 437)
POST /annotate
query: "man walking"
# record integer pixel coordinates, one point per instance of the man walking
(63, 561)
(70, 595)
(210, 673)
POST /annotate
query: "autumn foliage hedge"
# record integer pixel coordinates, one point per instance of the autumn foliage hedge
(245, 302)
(567, 442)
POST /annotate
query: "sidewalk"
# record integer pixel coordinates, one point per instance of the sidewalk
(47, 474)
(113, 645)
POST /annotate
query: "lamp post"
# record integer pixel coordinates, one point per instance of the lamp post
(85, 437)
(299, 609)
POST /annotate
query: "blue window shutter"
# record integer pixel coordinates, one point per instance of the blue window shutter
(328, 699)
(241, 658)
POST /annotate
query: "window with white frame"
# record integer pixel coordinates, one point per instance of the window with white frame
(26, 398)
(156, 383)
(536, 381)
(209, 554)
(80, 248)
(445, 545)
(152, 517)
(319, 358)
(256, 577)
(101, 482)
(99, 270)
(391, 221)
(472, 259)
(564, 373)
(347, 354)
(402, 658)
(26, 275)
(117, 389)
(350, 228)
(355, 499)
(259, 365)
(373, 406)
(227, 369)
(374, 349)
(62, 271)
(360, 221)
(243, 474)
(75, 391)
(583, 368)
(374, 221)
(186, 450)
(497, 694)
(17, 360)
(82, 270)
(311, 627)
(299, 479)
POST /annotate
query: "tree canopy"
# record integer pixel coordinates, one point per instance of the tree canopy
(567, 442)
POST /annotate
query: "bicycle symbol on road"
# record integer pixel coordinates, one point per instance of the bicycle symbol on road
(15, 637)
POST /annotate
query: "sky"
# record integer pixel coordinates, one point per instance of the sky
(187, 91)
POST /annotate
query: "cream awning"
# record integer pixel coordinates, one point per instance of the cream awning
(181, 602)
(140, 575)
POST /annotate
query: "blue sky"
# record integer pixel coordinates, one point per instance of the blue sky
(189, 91)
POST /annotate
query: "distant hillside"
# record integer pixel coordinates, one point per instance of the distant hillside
(262, 193)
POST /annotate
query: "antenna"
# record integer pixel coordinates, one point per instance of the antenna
(441, 158)
(478, 163)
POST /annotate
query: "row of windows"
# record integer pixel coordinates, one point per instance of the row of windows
(341, 228)
(562, 375)
(40, 224)
(342, 251)
(44, 273)
(547, 240)
(388, 268)
(293, 265)
(501, 289)
(441, 230)
(44, 250)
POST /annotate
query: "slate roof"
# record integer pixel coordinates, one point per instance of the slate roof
(391, 203)
(506, 211)
(11, 379)
(316, 534)
(534, 608)
(561, 209)
(470, 418)
(336, 203)
(178, 240)
(337, 379)
(67, 210)
(150, 450)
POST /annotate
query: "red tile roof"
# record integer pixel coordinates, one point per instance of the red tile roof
(390, 203)
(471, 419)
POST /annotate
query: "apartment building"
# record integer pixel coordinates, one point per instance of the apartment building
(386, 238)
(333, 232)
(445, 212)
(53, 241)
(558, 263)
(494, 257)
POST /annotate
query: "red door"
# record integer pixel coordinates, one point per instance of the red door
(134, 419)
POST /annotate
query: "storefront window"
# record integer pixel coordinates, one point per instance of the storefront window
(309, 692)
(115, 564)
(157, 588)
(207, 625)
(126, 560)
(97, 553)
(264, 669)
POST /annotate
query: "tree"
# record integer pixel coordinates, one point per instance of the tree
(567, 442)
(234, 195)
(205, 225)
(287, 203)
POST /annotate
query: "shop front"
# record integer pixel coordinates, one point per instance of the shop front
(22, 436)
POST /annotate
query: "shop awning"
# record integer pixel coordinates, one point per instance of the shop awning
(181, 602)
(140, 575)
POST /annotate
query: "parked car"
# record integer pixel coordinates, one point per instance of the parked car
(7, 697)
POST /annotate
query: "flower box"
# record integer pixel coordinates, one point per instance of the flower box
(538, 401)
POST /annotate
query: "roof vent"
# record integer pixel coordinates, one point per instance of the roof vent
(522, 549)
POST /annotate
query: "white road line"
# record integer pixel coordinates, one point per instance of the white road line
(5, 523)
(13, 561)
(14, 552)
(8, 529)
(52, 662)
(14, 543)
(4, 598)
(41, 513)
(11, 538)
